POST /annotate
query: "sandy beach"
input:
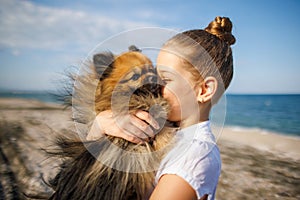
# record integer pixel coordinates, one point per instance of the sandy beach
(278, 144)
(255, 164)
(258, 165)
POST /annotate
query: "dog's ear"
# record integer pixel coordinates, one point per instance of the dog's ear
(104, 63)
(134, 48)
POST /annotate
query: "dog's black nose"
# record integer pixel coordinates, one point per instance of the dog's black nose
(151, 79)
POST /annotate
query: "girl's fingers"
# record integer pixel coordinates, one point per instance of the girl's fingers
(132, 138)
(135, 128)
(125, 131)
(139, 129)
(148, 118)
(144, 129)
(129, 125)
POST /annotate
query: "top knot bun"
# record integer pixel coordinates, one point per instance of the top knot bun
(221, 27)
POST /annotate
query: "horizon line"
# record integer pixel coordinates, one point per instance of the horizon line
(2, 90)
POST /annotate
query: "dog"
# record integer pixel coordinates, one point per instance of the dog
(112, 168)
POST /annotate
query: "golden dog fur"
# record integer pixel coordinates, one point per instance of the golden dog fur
(112, 168)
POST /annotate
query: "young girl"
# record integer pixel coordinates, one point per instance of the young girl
(196, 67)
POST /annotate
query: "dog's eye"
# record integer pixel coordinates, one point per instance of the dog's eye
(135, 77)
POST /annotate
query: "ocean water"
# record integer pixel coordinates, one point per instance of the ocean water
(41, 96)
(276, 113)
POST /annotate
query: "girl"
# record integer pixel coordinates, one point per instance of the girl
(196, 67)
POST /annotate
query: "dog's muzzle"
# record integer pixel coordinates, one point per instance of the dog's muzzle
(151, 79)
(150, 85)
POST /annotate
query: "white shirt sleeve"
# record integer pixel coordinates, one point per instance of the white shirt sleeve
(197, 162)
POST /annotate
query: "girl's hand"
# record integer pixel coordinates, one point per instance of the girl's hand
(135, 128)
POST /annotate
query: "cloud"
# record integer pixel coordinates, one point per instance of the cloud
(24, 24)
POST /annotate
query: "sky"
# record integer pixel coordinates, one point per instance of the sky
(40, 39)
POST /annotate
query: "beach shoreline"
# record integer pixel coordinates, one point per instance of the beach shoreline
(251, 136)
(277, 143)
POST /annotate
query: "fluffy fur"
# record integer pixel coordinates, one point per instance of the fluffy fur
(112, 168)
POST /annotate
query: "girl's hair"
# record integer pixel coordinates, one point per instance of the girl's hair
(207, 51)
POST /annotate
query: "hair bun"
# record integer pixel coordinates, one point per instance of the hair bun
(221, 27)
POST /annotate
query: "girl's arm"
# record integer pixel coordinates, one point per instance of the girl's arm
(173, 187)
(134, 128)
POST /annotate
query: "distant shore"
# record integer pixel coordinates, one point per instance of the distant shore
(255, 164)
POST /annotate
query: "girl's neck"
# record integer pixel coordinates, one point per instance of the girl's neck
(197, 118)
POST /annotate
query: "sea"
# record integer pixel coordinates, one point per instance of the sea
(274, 113)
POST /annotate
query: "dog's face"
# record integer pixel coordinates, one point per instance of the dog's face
(138, 72)
(130, 73)
(126, 73)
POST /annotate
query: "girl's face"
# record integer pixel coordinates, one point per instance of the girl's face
(179, 89)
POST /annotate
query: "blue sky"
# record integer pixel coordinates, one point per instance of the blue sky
(39, 39)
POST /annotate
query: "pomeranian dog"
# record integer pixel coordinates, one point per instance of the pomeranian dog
(112, 168)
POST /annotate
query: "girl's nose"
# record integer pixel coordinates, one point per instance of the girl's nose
(163, 90)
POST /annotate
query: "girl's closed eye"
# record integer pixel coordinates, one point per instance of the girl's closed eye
(166, 80)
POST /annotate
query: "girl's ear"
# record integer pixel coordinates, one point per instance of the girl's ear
(207, 89)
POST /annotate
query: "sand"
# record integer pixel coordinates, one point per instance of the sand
(278, 144)
(255, 164)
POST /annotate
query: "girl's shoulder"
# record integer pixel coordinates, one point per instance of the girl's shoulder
(195, 158)
(201, 169)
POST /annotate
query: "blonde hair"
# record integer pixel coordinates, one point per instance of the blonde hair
(207, 51)
(221, 27)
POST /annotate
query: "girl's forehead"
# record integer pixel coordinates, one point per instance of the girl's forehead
(166, 69)
(171, 66)
(162, 67)
(169, 59)
(166, 56)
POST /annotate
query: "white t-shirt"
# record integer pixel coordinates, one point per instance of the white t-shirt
(195, 158)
